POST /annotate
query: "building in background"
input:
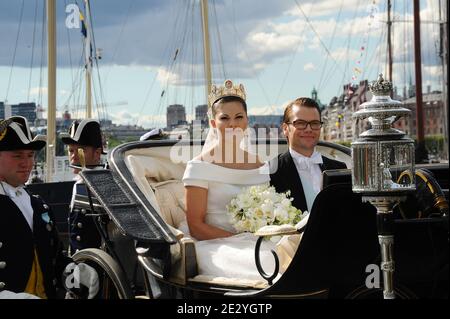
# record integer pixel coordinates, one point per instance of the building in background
(266, 126)
(27, 110)
(433, 122)
(176, 115)
(201, 114)
(339, 126)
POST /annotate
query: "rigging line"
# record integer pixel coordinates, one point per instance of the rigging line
(246, 56)
(290, 63)
(349, 40)
(70, 50)
(175, 67)
(98, 108)
(196, 72)
(147, 95)
(331, 43)
(15, 50)
(255, 75)
(74, 80)
(94, 43)
(119, 38)
(193, 59)
(233, 19)
(178, 66)
(77, 86)
(42, 53)
(103, 105)
(364, 70)
(405, 77)
(430, 58)
(165, 53)
(317, 35)
(386, 60)
(378, 53)
(219, 40)
(411, 43)
(32, 49)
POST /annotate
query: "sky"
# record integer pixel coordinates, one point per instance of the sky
(152, 55)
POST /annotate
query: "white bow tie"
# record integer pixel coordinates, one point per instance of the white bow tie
(307, 162)
(14, 192)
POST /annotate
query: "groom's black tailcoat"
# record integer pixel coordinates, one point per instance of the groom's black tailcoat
(284, 177)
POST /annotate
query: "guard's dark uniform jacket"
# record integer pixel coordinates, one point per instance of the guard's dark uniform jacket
(83, 231)
(17, 244)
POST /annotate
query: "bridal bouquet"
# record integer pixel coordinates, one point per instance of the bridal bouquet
(261, 205)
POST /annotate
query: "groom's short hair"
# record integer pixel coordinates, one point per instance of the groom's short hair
(301, 101)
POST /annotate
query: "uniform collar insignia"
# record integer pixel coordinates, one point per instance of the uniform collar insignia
(45, 217)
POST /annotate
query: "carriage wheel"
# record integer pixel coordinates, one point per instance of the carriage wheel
(113, 281)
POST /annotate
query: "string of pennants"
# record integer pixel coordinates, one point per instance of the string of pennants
(357, 70)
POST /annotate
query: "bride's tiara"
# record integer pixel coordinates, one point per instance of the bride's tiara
(228, 89)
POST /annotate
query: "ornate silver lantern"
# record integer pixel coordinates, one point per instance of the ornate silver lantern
(380, 155)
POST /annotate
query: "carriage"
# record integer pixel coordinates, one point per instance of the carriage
(138, 202)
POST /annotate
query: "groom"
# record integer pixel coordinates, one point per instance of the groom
(300, 168)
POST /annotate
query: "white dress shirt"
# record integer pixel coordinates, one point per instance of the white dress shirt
(22, 200)
(308, 169)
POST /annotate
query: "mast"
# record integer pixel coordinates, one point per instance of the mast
(87, 53)
(51, 69)
(421, 151)
(206, 47)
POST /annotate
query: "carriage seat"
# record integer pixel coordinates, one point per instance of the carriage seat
(159, 179)
(160, 182)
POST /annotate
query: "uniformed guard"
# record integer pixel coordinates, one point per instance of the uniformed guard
(31, 258)
(83, 135)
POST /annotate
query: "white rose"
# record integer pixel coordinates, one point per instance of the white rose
(281, 213)
(285, 202)
(267, 206)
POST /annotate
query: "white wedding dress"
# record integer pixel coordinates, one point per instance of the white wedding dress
(231, 257)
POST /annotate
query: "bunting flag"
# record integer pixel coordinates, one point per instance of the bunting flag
(87, 41)
(358, 69)
(83, 25)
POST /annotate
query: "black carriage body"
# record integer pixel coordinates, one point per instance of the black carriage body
(338, 247)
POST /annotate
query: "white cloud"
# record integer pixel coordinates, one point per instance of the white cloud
(268, 109)
(268, 44)
(342, 54)
(166, 77)
(320, 8)
(309, 67)
(38, 90)
(144, 120)
(433, 70)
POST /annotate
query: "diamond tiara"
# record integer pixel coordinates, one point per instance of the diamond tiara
(228, 89)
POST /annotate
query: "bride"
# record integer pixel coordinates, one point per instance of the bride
(222, 170)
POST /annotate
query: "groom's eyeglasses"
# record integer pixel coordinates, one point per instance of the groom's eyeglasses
(301, 125)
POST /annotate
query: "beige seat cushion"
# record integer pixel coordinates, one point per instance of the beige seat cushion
(170, 198)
